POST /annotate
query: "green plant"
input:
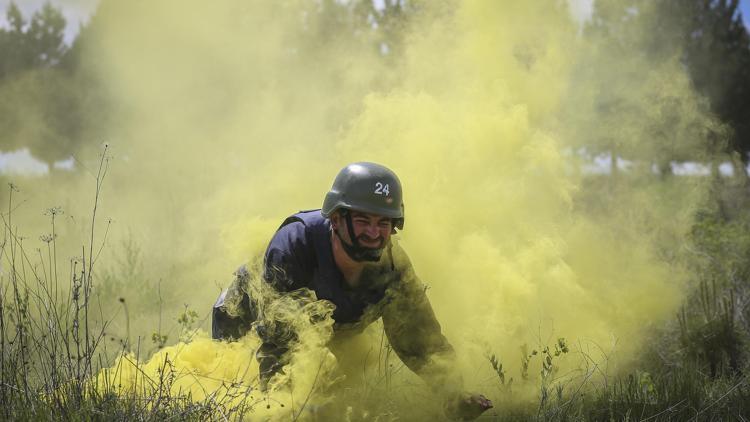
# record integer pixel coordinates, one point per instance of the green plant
(186, 320)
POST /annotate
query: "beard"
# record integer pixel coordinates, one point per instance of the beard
(359, 252)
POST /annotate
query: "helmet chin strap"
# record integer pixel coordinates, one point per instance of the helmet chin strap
(356, 251)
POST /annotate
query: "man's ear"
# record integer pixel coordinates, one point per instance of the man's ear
(335, 219)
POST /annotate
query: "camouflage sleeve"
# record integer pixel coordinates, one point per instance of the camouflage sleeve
(414, 332)
(234, 312)
(233, 316)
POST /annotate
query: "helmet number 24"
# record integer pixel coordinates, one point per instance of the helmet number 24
(382, 189)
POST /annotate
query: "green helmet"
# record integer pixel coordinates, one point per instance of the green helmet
(366, 187)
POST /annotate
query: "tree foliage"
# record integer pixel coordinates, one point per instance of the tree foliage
(709, 40)
(49, 103)
(53, 99)
(718, 58)
(33, 44)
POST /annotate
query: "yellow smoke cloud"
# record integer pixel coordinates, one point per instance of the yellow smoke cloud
(233, 115)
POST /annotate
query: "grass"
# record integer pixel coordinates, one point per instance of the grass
(53, 336)
(55, 339)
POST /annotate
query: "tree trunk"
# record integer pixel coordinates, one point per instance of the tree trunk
(740, 169)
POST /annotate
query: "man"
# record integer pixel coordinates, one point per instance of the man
(344, 254)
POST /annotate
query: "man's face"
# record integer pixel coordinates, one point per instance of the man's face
(371, 230)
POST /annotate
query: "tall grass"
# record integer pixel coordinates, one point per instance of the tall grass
(54, 341)
(53, 334)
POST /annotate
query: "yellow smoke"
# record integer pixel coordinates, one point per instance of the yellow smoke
(226, 125)
(225, 375)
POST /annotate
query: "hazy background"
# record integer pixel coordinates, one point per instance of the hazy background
(222, 119)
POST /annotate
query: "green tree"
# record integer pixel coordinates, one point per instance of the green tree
(37, 43)
(46, 36)
(632, 98)
(49, 101)
(708, 38)
(12, 42)
(380, 28)
(718, 58)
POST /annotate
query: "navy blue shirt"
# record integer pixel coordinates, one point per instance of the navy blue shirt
(300, 255)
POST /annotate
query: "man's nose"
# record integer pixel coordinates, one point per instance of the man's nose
(372, 231)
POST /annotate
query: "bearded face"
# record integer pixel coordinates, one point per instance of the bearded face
(363, 235)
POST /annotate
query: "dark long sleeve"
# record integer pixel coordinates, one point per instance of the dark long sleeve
(234, 312)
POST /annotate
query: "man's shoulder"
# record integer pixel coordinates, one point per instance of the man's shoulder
(407, 284)
(400, 259)
(299, 230)
(311, 219)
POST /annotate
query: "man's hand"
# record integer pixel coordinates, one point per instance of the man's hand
(466, 406)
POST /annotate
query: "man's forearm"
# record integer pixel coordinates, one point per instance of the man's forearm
(270, 361)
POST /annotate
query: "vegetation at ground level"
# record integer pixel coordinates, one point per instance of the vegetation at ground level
(55, 338)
